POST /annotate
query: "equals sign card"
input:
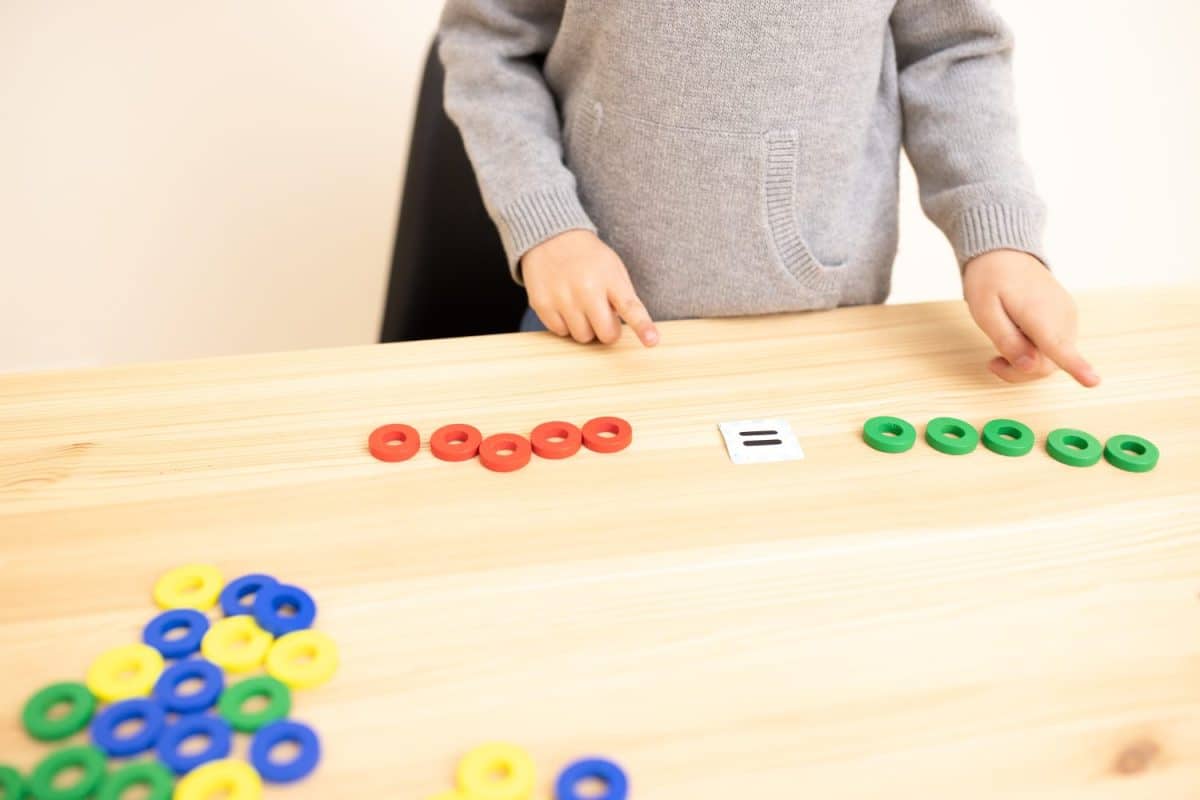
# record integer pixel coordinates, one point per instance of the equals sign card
(760, 441)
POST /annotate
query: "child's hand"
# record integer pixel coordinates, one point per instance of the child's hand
(578, 287)
(1028, 316)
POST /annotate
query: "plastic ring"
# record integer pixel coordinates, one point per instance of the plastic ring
(394, 443)
(303, 659)
(599, 769)
(236, 644)
(152, 776)
(308, 751)
(36, 714)
(278, 697)
(1007, 437)
(889, 434)
(193, 623)
(89, 760)
(167, 694)
(11, 784)
(233, 597)
(516, 452)
(124, 672)
(951, 436)
(496, 772)
(569, 437)
(192, 586)
(607, 434)
(106, 725)
(1131, 453)
(231, 779)
(456, 442)
(272, 600)
(1074, 448)
(215, 729)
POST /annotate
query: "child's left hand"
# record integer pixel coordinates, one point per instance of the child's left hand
(1027, 314)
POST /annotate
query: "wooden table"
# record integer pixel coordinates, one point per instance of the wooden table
(851, 626)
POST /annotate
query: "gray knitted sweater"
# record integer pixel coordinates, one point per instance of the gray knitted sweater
(741, 157)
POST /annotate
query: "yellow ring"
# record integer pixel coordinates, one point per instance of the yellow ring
(124, 672)
(195, 586)
(231, 779)
(496, 772)
(236, 643)
(303, 659)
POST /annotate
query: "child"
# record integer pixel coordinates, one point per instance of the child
(666, 159)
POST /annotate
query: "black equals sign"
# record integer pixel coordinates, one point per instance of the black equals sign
(749, 442)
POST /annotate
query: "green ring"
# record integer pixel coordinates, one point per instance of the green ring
(1008, 437)
(937, 434)
(279, 703)
(151, 774)
(89, 759)
(1064, 446)
(37, 721)
(889, 434)
(11, 785)
(1119, 454)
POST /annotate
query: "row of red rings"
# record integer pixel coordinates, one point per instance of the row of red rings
(503, 452)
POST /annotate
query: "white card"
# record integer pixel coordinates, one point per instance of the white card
(761, 441)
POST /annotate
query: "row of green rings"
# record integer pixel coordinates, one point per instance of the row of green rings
(43, 727)
(231, 706)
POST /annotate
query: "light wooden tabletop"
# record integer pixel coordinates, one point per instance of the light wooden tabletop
(853, 625)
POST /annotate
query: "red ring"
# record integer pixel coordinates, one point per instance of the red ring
(455, 442)
(489, 452)
(407, 442)
(570, 435)
(622, 434)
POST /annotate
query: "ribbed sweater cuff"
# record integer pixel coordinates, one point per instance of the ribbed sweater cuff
(982, 229)
(533, 218)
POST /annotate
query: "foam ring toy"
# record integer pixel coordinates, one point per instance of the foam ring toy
(80, 702)
(11, 785)
(236, 643)
(505, 452)
(106, 726)
(232, 703)
(192, 622)
(303, 659)
(607, 434)
(394, 443)
(1007, 437)
(215, 729)
(496, 772)
(569, 437)
(1131, 453)
(167, 691)
(234, 596)
(231, 779)
(150, 775)
(88, 760)
(1073, 447)
(193, 586)
(951, 436)
(308, 751)
(889, 434)
(456, 442)
(124, 672)
(616, 784)
(272, 600)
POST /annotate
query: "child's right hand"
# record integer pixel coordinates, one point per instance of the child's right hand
(579, 287)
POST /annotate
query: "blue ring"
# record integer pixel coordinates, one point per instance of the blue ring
(234, 592)
(155, 633)
(166, 689)
(105, 725)
(600, 769)
(220, 737)
(308, 751)
(271, 599)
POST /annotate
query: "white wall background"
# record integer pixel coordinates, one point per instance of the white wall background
(183, 180)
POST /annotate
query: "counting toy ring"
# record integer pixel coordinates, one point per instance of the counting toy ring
(1073, 448)
(1007, 437)
(607, 434)
(193, 586)
(308, 752)
(456, 442)
(151, 776)
(232, 703)
(505, 452)
(215, 729)
(616, 784)
(271, 602)
(889, 434)
(106, 727)
(88, 760)
(11, 784)
(80, 702)
(394, 442)
(212, 682)
(303, 659)
(158, 630)
(951, 436)
(236, 643)
(231, 779)
(1131, 453)
(124, 672)
(543, 440)
(496, 772)
(234, 596)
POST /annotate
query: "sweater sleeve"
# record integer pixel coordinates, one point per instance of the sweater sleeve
(497, 96)
(960, 126)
